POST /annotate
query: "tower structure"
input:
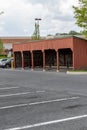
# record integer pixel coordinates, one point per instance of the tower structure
(36, 34)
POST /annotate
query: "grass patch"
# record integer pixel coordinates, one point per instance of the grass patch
(81, 69)
(3, 56)
(78, 70)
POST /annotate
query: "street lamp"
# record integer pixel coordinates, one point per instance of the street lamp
(36, 34)
(37, 19)
(37, 27)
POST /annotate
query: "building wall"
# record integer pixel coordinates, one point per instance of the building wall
(45, 44)
(77, 45)
(7, 46)
(79, 53)
(13, 40)
(9, 41)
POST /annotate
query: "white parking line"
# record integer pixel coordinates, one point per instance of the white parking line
(38, 103)
(17, 94)
(48, 123)
(8, 88)
(56, 100)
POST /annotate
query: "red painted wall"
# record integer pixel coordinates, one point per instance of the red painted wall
(79, 53)
(77, 45)
(45, 44)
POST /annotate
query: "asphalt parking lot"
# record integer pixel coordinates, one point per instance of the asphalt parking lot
(35, 100)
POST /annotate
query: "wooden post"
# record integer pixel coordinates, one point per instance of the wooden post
(14, 60)
(22, 60)
(57, 55)
(44, 66)
(32, 60)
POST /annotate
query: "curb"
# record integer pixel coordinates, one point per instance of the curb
(77, 73)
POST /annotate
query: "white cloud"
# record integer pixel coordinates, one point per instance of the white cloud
(19, 16)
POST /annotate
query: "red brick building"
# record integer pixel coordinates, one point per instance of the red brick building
(68, 52)
(9, 41)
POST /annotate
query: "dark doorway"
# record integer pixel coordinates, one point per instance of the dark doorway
(38, 59)
(27, 59)
(50, 57)
(65, 58)
(18, 59)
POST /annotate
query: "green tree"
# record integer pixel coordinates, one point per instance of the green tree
(80, 13)
(72, 32)
(1, 46)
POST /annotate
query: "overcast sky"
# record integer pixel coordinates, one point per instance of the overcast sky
(19, 17)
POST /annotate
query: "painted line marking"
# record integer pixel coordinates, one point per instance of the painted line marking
(38, 103)
(49, 122)
(15, 94)
(24, 93)
(8, 88)
(56, 100)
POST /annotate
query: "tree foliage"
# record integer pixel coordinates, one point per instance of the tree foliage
(72, 32)
(80, 13)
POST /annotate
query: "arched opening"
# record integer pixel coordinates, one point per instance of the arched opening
(27, 59)
(38, 59)
(18, 59)
(65, 58)
(50, 59)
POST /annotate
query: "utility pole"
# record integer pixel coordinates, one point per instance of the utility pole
(36, 34)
